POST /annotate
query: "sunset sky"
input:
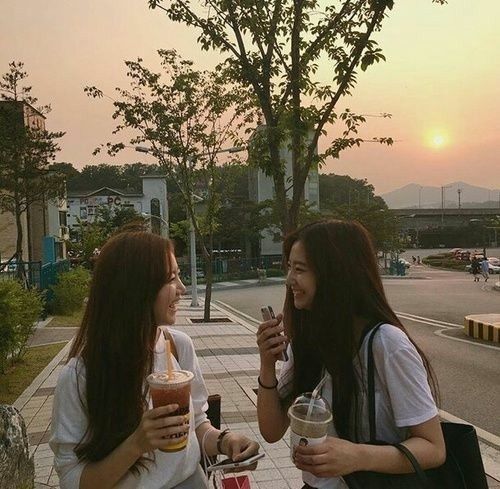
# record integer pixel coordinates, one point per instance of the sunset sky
(441, 82)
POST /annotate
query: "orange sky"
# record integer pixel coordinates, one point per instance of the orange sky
(441, 81)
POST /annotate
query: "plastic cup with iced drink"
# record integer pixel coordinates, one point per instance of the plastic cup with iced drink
(309, 421)
(175, 389)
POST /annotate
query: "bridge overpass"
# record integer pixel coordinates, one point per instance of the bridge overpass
(418, 219)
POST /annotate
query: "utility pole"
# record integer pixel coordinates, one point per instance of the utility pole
(420, 196)
(459, 191)
(443, 202)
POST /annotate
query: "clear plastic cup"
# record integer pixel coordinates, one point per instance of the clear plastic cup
(174, 390)
(309, 420)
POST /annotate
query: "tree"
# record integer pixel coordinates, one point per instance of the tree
(91, 236)
(26, 150)
(343, 197)
(273, 48)
(186, 117)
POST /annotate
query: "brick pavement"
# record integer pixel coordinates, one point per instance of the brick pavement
(229, 360)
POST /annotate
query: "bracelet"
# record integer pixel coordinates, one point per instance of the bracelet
(222, 434)
(270, 387)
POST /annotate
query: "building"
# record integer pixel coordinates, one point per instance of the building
(261, 188)
(44, 222)
(150, 202)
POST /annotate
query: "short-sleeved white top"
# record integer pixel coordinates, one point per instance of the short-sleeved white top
(69, 423)
(402, 394)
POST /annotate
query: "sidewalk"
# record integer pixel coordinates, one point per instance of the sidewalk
(229, 360)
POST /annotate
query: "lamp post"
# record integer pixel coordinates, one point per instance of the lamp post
(192, 197)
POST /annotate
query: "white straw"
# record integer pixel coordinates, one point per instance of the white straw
(314, 396)
(170, 366)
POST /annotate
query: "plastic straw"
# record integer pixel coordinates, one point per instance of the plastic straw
(170, 367)
(314, 396)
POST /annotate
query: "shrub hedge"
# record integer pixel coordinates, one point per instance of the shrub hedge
(70, 290)
(20, 308)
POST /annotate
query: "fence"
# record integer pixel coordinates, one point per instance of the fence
(31, 275)
(35, 274)
(235, 268)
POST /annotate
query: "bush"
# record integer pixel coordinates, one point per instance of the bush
(19, 310)
(70, 290)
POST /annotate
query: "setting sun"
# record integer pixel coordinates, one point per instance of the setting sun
(437, 139)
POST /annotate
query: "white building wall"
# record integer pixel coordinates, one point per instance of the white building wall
(265, 191)
(154, 187)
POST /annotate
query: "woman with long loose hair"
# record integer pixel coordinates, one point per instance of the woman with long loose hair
(104, 430)
(334, 297)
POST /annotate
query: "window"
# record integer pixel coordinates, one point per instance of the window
(83, 213)
(63, 218)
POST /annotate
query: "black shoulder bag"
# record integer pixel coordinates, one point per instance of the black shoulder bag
(463, 468)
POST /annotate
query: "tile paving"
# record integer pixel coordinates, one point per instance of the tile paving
(229, 360)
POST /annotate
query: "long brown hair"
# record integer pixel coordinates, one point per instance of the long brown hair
(348, 285)
(117, 336)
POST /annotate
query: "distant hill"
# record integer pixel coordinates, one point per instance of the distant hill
(430, 197)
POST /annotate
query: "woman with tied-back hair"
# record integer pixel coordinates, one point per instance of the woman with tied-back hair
(334, 298)
(104, 430)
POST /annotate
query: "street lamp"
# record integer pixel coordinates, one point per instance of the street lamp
(192, 197)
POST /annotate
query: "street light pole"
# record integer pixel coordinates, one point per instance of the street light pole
(192, 231)
(194, 278)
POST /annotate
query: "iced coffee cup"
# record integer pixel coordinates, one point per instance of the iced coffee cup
(309, 421)
(173, 390)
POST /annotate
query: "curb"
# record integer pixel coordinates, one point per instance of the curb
(41, 377)
(483, 326)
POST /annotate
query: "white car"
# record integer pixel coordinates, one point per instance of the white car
(494, 266)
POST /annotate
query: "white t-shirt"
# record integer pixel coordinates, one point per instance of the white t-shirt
(402, 394)
(69, 423)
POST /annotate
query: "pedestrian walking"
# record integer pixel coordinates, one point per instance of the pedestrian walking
(105, 432)
(475, 268)
(418, 260)
(485, 269)
(334, 302)
(414, 260)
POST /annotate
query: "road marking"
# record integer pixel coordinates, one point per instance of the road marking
(430, 320)
(443, 325)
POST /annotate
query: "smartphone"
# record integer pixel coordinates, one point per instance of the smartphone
(229, 464)
(268, 314)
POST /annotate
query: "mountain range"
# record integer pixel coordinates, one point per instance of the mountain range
(415, 196)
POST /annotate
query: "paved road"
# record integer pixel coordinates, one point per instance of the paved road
(468, 372)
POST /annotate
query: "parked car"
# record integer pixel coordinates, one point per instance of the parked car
(494, 266)
(8, 266)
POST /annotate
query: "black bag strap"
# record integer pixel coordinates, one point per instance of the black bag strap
(372, 414)
(371, 385)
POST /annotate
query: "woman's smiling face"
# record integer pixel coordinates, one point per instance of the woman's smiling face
(165, 307)
(301, 279)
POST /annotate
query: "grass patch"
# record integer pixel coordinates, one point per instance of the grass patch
(72, 320)
(20, 375)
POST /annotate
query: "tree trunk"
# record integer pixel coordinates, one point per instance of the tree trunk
(20, 272)
(297, 133)
(209, 277)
